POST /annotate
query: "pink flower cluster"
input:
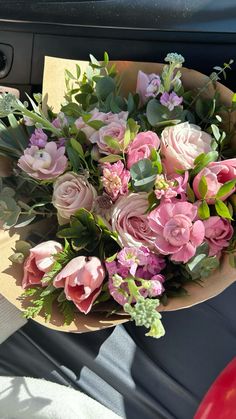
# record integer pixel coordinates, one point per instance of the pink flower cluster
(140, 264)
(115, 179)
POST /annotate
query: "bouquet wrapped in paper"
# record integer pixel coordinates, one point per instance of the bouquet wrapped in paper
(117, 197)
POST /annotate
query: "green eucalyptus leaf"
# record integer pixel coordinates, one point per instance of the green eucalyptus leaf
(105, 86)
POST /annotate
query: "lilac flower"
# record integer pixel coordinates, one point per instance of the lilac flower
(131, 257)
(153, 87)
(61, 121)
(38, 138)
(170, 100)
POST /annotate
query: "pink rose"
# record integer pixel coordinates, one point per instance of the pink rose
(82, 280)
(115, 179)
(181, 144)
(148, 85)
(130, 220)
(39, 262)
(216, 174)
(116, 130)
(141, 147)
(72, 192)
(177, 234)
(218, 233)
(83, 126)
(44, 164)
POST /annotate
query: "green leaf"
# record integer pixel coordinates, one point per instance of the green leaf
(105, 86)
(74, 159)
(111, 142)
(106, 58)
(67, 308)
(216, 132)
(203, 210)
(69, 75)
(208, 158)
(154, 112)
(141, 169)
(202, 187)
(190, 194)
(96, 124)
(226, 188)
(112, 158)
(77, 147)
(199, 158)
(72, 109)
(78, 71)
(222, 210)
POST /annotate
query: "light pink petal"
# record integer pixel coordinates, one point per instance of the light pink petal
(164, 247)
(184, 254)
(197, 234)
(185, 208)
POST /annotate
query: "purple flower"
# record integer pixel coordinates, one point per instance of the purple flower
(38, 138)
(61, 142)
(60, 122)
(131, 257)
(170, 100)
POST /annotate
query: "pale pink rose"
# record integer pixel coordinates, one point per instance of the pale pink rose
(116, 130)
(72, 192)
(115, 179)
(96, 115)
(83, 126)
(218, 233)
(148, 85)
(82, 280)
(176, 231)
(141, 147)
(216, 174)
(44, 164)
(130, 220)
(181, 144)
(39, 262)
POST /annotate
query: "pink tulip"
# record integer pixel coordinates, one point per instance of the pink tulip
(82, 280)
(39, 262)
(216, 174)
(141, 147)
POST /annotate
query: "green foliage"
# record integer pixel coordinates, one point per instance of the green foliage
(222, 209)
(67, 308)
(104, 87)
(201, 265)
(202, 187)
(203, 210)
(202, 161)
(159, 115)
(226, 188)
(143, 175)
(89, 233)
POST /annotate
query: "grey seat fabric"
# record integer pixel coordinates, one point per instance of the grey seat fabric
(136, 376)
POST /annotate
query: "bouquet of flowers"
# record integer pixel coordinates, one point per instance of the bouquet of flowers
(122, 201)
